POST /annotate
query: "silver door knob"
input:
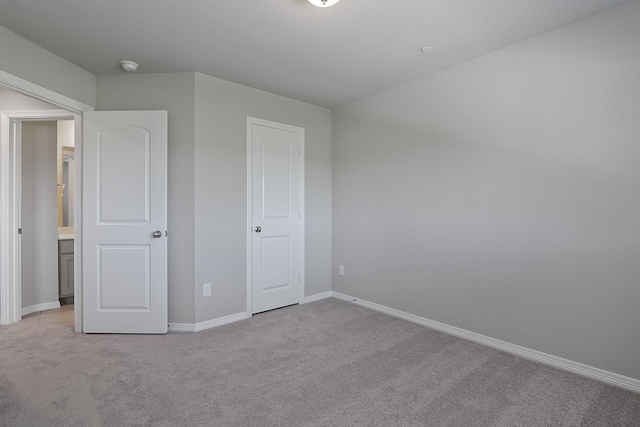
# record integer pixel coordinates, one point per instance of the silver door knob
(258, 229)
(157, 234)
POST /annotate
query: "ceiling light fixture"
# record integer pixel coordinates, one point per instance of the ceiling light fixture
(323, 3)
(128, 65)
(426, 49)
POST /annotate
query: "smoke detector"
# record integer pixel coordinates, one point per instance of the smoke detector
(128, 65)
(323, 3)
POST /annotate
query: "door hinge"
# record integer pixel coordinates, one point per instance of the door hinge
(299, 277)
(166, 233)
(19, 230)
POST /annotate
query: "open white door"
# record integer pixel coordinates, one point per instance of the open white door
(124, 200)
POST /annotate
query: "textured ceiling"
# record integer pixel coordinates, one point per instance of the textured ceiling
(328, 57)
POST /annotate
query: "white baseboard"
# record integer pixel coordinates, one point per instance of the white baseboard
(197, 327)
(317, 297)
(40, 307)
(598, 374)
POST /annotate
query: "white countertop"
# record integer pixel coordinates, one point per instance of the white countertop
(66, 233)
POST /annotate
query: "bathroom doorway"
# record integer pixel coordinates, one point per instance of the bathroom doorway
(47, 219)
(31, 231)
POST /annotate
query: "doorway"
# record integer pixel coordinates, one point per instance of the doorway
(9, 305)
(12, 216)
(38, 214)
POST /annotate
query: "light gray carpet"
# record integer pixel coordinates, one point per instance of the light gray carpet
(327, 363)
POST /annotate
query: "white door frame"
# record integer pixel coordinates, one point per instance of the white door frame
(301, 259)
(10, 249)
(9, 292)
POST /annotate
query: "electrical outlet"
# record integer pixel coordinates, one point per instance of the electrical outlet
(341, 270)
(206, 290)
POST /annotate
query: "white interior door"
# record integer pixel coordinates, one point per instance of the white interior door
(276, 214)
(124, 227)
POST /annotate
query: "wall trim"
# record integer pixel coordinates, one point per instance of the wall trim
(597, 374)
(40, 307)
(317, 297)
(208, 324)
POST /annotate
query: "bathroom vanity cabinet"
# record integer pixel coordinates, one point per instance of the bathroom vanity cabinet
(65, 270)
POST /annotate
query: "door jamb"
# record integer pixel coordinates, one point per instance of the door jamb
(301, 224)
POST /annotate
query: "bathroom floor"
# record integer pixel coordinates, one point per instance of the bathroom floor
(58, 316)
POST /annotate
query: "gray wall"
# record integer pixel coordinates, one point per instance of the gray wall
(502, 195)
(28, 61)
(221, 190)
(174, 93)
(39, 214)
(11, 100)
